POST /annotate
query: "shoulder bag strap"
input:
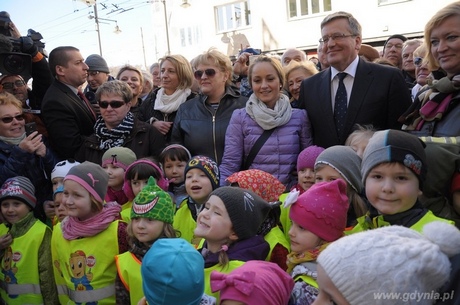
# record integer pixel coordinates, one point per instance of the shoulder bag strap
(257, 146)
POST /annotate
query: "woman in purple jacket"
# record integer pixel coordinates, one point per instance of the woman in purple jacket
(267, 109)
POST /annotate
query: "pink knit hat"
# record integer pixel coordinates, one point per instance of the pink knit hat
(255, 283)
(307, 157)
(322, 209)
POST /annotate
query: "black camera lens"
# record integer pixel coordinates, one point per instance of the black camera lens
(15, 64)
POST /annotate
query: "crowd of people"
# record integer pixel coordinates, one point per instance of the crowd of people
(268, 180)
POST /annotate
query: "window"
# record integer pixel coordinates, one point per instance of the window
(299, 8)
(190, 36)
(233, 16)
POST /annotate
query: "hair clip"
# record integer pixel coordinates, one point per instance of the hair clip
(224, 248)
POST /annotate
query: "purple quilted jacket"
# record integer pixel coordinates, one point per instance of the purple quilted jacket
(278, 156)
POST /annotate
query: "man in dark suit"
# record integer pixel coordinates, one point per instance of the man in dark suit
(369, 93)
(67, 116)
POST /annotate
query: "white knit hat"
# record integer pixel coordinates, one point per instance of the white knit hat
(391, 259)
(61, 169)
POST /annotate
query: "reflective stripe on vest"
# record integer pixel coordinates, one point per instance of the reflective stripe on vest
(86, 296)
(23, 289)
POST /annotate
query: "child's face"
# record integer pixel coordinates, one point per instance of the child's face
(147, 230)
(327, 173)
(57, 181)
(302, 240)
(214, 224)
(77, 200)
(59, 207)
(174, 170)
(392, 188)
(116, 176)
(198, 185)
(138, 184)
(14, 210)
(328, 292)
(306, 177)
(359, 144)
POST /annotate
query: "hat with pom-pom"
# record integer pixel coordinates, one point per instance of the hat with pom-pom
(152, 202)
(322, 209)
(399, 261)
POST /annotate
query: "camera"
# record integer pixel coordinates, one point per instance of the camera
(18, 60)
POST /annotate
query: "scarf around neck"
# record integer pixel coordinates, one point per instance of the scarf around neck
(73, 228)
(269, 118)
(13, 141)
(114, 137)
(293, 259)
(170, 103)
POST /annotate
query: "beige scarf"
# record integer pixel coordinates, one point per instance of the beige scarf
(269, 118)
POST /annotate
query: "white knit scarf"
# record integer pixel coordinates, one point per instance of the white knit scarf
(13, 141)
(269, 118)
(170, 103)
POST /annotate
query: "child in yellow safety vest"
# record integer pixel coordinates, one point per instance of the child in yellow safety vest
(229, 223)
(152, 215)
(25, 248)
(85, 243)
(319, 217)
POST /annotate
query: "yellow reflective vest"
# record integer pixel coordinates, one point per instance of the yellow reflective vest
(184, 222)
(232, 265)
(274, 237)
(129, 271)
(126, 211)
(19, 280)
(87, 265)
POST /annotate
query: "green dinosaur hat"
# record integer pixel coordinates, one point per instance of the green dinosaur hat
(153, 203)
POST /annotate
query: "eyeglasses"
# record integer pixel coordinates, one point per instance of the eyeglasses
(390, 45)
(113, 104)
(418, 61)
(18, 83)
(335, 37)
(9, 119)
(209, 72)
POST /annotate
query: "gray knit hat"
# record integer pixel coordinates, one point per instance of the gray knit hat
(95, 62)
(246, 209)
(92, 177)
(344, 160)
(21, 188)
(398, 260)
(395, 146)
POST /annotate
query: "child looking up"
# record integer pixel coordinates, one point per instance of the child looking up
(269, 189)
(342, 162)
(115, 161)
(151, 219)
(265, 283)
(318, 217)
(229, 223)
(393, 170)
(136, 177)
(173, 159)
(201, 178)
(388, 261)
(25, 248)
(84, 245)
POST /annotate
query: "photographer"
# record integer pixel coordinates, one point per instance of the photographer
(15, 84)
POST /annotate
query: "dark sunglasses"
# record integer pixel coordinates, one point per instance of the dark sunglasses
(209, 72)
(18, 83)
(418, 61)
(9, 119)
(113, 104)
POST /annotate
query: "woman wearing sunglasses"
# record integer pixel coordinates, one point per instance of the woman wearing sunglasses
(267, 113)
(176, 81)
(201, 122)
(117, 126)
(22, 154)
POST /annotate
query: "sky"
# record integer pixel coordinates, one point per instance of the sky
(66, 22)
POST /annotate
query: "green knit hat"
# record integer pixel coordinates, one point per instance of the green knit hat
(153, 203)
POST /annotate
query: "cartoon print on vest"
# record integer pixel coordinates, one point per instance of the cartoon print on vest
(77, 269)
(9, 270)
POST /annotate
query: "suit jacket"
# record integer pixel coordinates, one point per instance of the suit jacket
(378, 97)
(66, 118)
